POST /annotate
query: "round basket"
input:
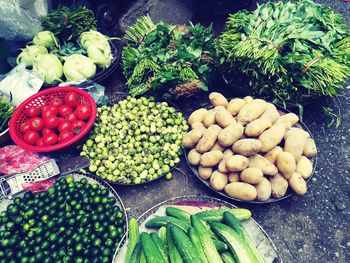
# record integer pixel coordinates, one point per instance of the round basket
(41, 99)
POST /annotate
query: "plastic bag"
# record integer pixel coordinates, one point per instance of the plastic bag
(19, 84)
(20, 19)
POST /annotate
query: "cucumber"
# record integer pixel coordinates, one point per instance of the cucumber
(159, 221)
(160, 245)
(208, 246)
(227, 258)
(218, 214)
(136, 254)
(151, 251)
(220, 246)
(162, 233)
(236, 245)
(133, 238)
(184, 245)
(173, 252)
(178, 213)
(236, 225)
(192, 233)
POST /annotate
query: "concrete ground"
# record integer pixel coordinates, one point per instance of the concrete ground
(309, 229)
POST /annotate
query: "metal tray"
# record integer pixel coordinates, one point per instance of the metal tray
(260, 238)
(272, 199)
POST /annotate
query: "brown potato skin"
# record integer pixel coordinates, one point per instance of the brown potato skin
(241, 191)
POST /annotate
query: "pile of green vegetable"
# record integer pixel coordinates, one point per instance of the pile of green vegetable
(74, 221)
(289, 51)
(171, 59)
(135, 140)
(6, 111)
(72, 51)
(213, 236)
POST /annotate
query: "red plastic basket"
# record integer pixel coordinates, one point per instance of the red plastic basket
(41, 99)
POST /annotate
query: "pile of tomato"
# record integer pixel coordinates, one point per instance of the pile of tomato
(55, 123)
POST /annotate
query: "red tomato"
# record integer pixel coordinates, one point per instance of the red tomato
(56, 102)
(83, 112)
(72, 99)
(36, 124)
(24, 127)
(52, 122)
(32, 111)
(47, 113)
(31, 137)
(65, 125)
(50, 139)
(52, 108)
(71, 117)
(40, 142)
(65, 136)
(47, 131)
(77, 126)
(65, 110)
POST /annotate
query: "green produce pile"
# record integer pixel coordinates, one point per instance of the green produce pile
(6, 111)
(171, 59)
(212, 236)
(289, 51)
(135, 141)
(74, 221)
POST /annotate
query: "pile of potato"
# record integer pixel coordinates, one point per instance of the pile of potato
(246, 148)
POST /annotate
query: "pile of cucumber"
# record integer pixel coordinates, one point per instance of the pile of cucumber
(212, 236)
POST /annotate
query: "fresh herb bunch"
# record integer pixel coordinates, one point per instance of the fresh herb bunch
(176, 59)
(6, 110)
(68, 24)
(289, 51)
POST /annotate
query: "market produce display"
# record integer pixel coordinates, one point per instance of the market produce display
(290, 51)
(69, 48)
(73, 221)
(135, 141)
(248, 149)
(6, 110)
(172, 59)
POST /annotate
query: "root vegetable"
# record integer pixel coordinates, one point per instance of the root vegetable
(224, 118)
(298, 184)
(218, 146)
(248, 99)
(252, 175)
(217, 99)
(210, 159)
(279, 186)
(209, 118)
(247, 147)
(270, 113)
(233, 177)
(197, 116)
(257, 127)
(237, 163)
(272, 154)
(199, 126)
(241, 191)
(304, 167)
(272, 137)
(286, 164)
(297, 131)
(218, 181)
(222, 166)
(291, 117)
(263, 164)
(310, 149)
(194, 157)
(235, 105)
(295, 145)
(192, 138)
(251, 111)
(263, 189)
(228, 153)
(208, 139)
(230, 134)
(205, 172)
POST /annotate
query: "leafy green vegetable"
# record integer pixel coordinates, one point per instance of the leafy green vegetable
(175, 59)
(289, 51)
(6, 111)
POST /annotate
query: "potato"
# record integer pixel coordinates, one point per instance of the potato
(197, 116)
(284, 122)
(252, 175)
(233, 177)
(218, 181)
(224, 118)
(286, 164)
(241, 191)
(205, 172)
(209, 118)
(199, 126)
(222, 167)
(217, 146)
(228, 153)
(257, 127)
(298, 184)
(272, 137)
(247, 147)
(210, 159)
(263, 189)
(248, 99)
(237, 163)
(208, 139)
(310, 149)
(235, 105)
(291, 117)
(230, 134)
(263, 164)
(295, 144)
(251, 111)
(194, 157)
(191, 138)
(273, 153)
(304, 167)
(279, 186)
(217, 99)
(297, 131)
(218, 108)
(271, 113)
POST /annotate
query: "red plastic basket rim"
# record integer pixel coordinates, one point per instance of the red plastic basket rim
(59, 146)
